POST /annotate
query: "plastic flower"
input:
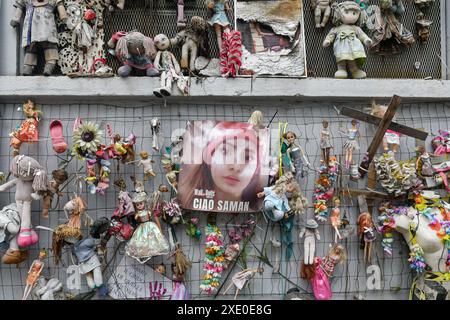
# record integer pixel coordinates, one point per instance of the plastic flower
(86, 139)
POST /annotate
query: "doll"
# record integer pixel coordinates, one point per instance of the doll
(59, 177)
(241, 279)
(351, 143)
(294, 158)
(30, 183)
(115, 3)
(148, 240)
(63, 235)
(325, 143)
(348, 40)
(335, 218)
(75, 208)
(168, 65)
(179, 291)
(39, 30)
(423, 4)
(193, 41)
(124, 149)
(155, 125)
(88, 262)
(161, 269)
(33, 273)
(9, 227)
(311, 233)
(171, 175)
(146, 164)
(218, 18)
(324, 270)
(256, 119)
(424, 162)
(391, 139)
(28, 130)
(134, 51)
(157, 202)
(366, 234)
(276, 205)
(423, 27)
(321, 7)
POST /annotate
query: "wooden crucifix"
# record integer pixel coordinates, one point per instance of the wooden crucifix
(383, 124)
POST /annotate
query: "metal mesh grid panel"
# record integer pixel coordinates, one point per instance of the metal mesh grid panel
(349, 279)
(321, 62)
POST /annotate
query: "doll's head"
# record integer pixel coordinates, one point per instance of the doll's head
(337, 253)
(143, 154)
(163, 188)
(421, 149)
(198, 24)
(28, 169)
(60, 176)
(290, 137)
(336, 201)
(325, 124)
(117, 138)
(256, 119)
(348, 13)
(354, 123)
(162, 42)
(285, 184)
(161, 268)
(42, 254)
(139, 200)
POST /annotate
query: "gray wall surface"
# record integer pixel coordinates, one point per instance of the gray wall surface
(350, 279)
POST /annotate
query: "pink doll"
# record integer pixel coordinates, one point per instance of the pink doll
(34, 273)
(335, 218)
(348, 39)
(30, 183)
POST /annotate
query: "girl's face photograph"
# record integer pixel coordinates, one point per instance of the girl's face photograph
(233, 164)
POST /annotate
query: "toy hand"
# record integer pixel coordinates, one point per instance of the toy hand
(14, 23)
(260, 194)
(326, 43)
(368, 42)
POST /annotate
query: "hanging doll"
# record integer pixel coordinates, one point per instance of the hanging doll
(156, 204)
(30, 183)
(75, 208)
(311, 233)
(335, 218)
(33, 273)
(155, 125)
(391, 139)
(348, 40)
(179, 291)
(424, 162)
(9, 228)
(218, 17)
(321, 7)
(241, 279)
(88, 262)
(39, 31)
(59, 177)
(28, 130)
(148, 240)
(168, 65)
(351, 143)
(366, 234)
(294, 158)
(324, 269)
(171, 175)
(325, 143)
(146, 164)
(192, 40)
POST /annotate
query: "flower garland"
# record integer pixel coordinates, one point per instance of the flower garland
(323, 190)
(416, 259)
(214, 259)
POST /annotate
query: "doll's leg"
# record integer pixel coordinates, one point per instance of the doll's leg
(317, 16)
(26, 292)
(181, 20)
(327, 158)
(341, 73)
(326, 16)
(355, 71)
(184, 56)
(166, 83)
(228, 288)
(51, 57)
(90, 280)
(124, 71)
(30, 60)
(27, 236)
(98, 277)
(194, 51)
(218, 30)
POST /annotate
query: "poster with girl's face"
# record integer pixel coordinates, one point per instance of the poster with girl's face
(224, 165)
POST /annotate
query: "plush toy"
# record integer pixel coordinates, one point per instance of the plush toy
(348, 40)
(321, 7)
(30, 183)
(39, 30)
(193, 41)
(59, 177)
(9, 228)
(218, 17)
(168, 65)
(134, 51)
(88, 262)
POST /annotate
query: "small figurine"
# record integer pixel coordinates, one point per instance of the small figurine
(321, 7)
(311, 233)
(39, 31)
(366, 233)
(193, 41)
(168, 65)
(391, 139)
(218, 17)
(171, 175)
(294, 158)
(325, 143)
(348, 40)
(351, 143)
(423, 27)
(147, 240)
(241, 279)
(424, 162)
(33, 273)
(59, 177)
(335, 218)
(28, 130)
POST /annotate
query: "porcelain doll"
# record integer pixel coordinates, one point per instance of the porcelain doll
(325, 143)
(348, 40)
(59, 177)
(33, 273)
(218, 18)
(30, 182)
(351, 144)
(335, 218)
(168, 65)
(39, 31)
(321, 7)
(147, 240)
(9, 228)
(294, 158)
(192, 40)
(424, 162)
(28, 131)
(88, 262)
(311, 233)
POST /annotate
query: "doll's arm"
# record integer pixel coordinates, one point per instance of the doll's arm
(363, 36)
(305, 157)
(330, 38)
(156, 62)
(8, 185)
(176, 65)
(15, 22)
(316, 232)
(302, 232)
(62, 12)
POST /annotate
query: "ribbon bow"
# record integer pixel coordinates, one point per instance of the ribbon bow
(345, 34)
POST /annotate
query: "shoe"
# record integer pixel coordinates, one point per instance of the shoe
(56, 133)
(157, 93)
(48, 69)
(14, 256)
(166, 91)
(27, 237)
(27, 70)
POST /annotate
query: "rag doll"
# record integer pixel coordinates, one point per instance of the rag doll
(348, 40)
(59, 177)
(134, 51)
(33, 273)
(88, 262)
(146, 163)
(39, 31)
(311, 233)
(28, 131)
(30, 182)
(218, 17)
(9, 228)
(322, 11)
(192, 40)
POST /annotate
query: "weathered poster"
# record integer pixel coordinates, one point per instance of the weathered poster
(224, 166)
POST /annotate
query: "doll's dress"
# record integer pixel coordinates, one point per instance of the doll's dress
(219, 16)
(325, 141)
(320, 283)
(147, 240)
(35, 273)
(351, 143)
(87, 258)
(28, 131)
(275, 206)
(179, 291)
(392, 137)
(347, 46)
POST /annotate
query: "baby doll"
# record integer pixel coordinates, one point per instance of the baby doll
(321, 7)
(88, 262)
(30, 183)
(310, 232)
(39, 30)
(59, 177)
(146, 164)
(167, 64)
(348, 40)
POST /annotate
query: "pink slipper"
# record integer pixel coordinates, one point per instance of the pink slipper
(56, 133)
(27, 237)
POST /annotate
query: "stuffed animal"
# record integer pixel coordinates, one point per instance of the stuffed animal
(39, 30)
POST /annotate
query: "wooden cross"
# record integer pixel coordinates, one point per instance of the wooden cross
(384, 124)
